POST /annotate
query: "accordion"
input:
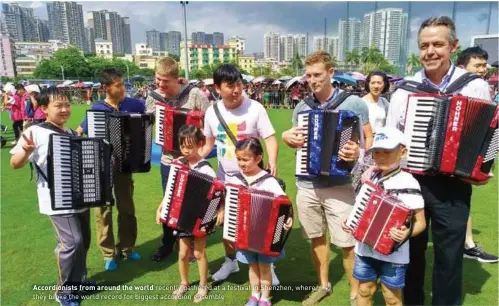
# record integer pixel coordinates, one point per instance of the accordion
(169, 120)
(319, 154)
(79, 172)
(375, 212)
(130, 134)
(453, 135)
(254, 220)
(191, 201)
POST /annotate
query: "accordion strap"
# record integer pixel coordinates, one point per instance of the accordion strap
(416, 87)
(461, 82)
(258, 180)
(337, 100)
(224, 124)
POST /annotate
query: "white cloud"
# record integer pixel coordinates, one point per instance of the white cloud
(36, 4)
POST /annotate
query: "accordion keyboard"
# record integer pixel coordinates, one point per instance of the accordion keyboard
(62, 172)
(96, 121)
(160, 117)
(230, 217)
(360, 206)
(302, 153)
(170, 186)
(90, 165)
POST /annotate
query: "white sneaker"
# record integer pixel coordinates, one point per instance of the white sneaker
(228, 267)
(275, 280)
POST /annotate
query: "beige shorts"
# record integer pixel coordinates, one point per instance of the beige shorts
(326, 208)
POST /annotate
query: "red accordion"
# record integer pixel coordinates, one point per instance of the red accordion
(169, 120)
(375, 212)
(453, 135)
(191, 200)
(255, 219)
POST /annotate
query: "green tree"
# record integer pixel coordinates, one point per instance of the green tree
(353, 57)
(175, 57)
(296, 64)
(455, 54)
(413, 64)
(287, 71)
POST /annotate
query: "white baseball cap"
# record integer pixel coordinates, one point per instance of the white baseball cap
(388, 138)
(33, 88)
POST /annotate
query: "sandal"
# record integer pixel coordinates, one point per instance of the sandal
(181, 290)
(201, 294)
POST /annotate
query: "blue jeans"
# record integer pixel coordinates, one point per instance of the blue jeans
(370, 269)
(169, 238)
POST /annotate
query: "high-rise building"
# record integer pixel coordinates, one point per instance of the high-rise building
(272, 46)
(208, 39)
(127, 36)
(66, 23)
(19, 22)
(163, 41)
(114, 28)
(287, 47)
(199, 55)
(300, 45)
(42, 30)
(239, 43)
(198, 37)
(328, 44)
(218, 38)
(97, 24)
(8, 51)
(386, 29)
(152, 38)
(173, 43)
(404, 46)
(349, 36)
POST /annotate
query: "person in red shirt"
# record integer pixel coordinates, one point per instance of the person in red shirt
(17, 111)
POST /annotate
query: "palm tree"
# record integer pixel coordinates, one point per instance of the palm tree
(334, 61)
(353, 57)
(297, 63)
(413, 63)
(455, 55)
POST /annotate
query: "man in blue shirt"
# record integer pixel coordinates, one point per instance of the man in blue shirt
(112, 83)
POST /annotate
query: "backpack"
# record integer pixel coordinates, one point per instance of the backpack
(29, 110)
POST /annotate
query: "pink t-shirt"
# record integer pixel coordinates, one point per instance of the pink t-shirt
(39, 114)
(17, 109)
(250, 119)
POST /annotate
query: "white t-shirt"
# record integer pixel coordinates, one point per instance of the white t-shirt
(39, 156)
(248, 120)
(402, 180)
(377, 113)
(477, 88)
(270, 184)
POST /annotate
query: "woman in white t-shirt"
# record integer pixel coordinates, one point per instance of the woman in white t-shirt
(376, 84)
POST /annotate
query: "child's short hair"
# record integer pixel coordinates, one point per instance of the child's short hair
(464, 57)
(190, 132)
(252, 144)
(226, 73)
(50, 94)
(19, 86)
(110, 75)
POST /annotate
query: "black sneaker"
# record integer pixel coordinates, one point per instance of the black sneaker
(478, 254)
(161, 254)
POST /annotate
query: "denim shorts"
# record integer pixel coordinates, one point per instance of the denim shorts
(370, 269)
(250, 257)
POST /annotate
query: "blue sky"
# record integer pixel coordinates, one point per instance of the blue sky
(252, 19)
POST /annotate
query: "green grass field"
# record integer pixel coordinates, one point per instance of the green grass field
(28, 242)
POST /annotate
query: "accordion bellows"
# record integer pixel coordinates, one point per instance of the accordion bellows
(453, 135)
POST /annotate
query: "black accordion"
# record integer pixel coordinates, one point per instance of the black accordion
(79, 172)
(130, 135)
(453, 135)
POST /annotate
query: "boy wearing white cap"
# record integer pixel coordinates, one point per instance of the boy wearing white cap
(388, 149)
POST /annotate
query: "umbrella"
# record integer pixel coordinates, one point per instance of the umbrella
(208, 82)
(358, 76)
(495, 64)
(96, 85)
(293, 81)
(268, 80)
(193, 81)
(258, 79)
(276, 82)
(79, 85)
(345, 78)
(248, 78)
(285, 78)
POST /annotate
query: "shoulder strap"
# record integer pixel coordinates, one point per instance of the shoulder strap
(50, 126)
(258, 180)
(224, 124)
(416, 87)
(461, 82)
(310, 101)
(184, 93)
(202, 163)
(157, 96)
(403, 191)
(338, 100)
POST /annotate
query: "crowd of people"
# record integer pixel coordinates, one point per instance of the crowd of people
(236, 121)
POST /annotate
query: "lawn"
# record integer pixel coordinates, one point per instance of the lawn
(27, 248)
